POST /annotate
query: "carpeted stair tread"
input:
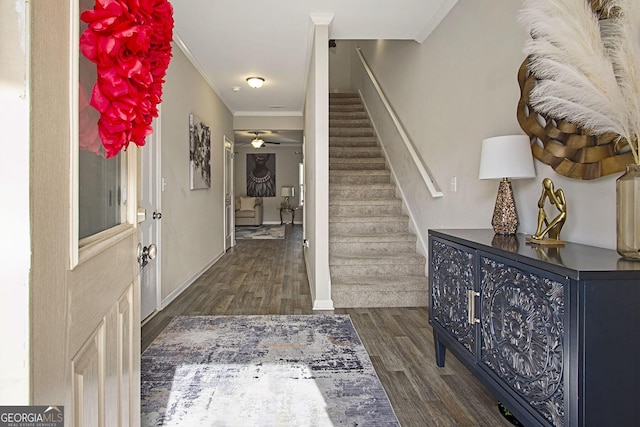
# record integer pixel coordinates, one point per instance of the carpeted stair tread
(365, 202)
(376, 237)
(372, 143)
(358, 152)
(350, 122)
(351, 132)
(353, 163)
(380, 291)
(362, 176)
(341, 115)
(351, 100)
(345, 108)
(368, 218)
(360, 191)
(353, 138)
(355, 160)
(403, 282)
(343, 94)
(360, 259)
(375, 185)
(346, 172)
(377, 297)
(359, 179)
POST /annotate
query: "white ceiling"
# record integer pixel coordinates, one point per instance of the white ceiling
(231, 40)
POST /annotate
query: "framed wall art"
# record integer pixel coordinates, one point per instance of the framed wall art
(261, 175)
(199, 154)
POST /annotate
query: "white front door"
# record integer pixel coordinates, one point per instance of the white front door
(229, 210)
(150, 226)
(84, 291)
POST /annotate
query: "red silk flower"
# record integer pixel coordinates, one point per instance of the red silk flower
(130, 43)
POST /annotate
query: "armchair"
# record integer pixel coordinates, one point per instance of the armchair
(249, 211)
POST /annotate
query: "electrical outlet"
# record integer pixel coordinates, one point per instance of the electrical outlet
(454, 184)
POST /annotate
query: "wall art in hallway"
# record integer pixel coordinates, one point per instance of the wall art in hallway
(199, 154)
(261, 175)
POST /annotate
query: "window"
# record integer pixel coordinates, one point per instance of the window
(102, 194)
(301, 181)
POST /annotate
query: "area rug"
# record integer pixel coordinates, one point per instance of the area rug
(261, 371)
(260, 232)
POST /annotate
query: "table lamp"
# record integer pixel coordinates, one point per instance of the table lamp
(506, 157)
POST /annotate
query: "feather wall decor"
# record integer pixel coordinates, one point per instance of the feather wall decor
(587, 70)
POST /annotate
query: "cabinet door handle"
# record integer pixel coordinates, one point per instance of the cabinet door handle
(471, 306)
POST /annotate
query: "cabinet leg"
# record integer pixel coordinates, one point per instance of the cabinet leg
(440, 350)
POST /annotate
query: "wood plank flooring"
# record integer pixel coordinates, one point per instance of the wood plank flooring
(268, 277)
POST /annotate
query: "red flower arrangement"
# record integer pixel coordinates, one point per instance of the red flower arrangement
(130, 42)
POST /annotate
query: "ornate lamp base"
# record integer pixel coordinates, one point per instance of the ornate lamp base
(505, 218)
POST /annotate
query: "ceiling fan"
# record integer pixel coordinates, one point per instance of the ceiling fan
(258, 142)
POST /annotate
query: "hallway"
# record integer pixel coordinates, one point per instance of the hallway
(268, 277)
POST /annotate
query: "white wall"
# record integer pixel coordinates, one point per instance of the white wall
(273, 122)
(340, 66)
(287, 160)
(15, 246)
(192, 220)
(459, 87)
(316, 153)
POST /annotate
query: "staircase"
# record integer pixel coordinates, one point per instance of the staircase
(372, 255)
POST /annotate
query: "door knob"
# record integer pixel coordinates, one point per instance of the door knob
(146, 253)
(157, 215)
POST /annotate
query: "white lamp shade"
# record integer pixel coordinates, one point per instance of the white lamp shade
(287, 192)
(506, 156)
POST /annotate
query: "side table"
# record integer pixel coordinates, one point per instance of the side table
(286, 210)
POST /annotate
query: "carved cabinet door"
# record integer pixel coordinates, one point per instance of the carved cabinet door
(453, 270)
(522, 334)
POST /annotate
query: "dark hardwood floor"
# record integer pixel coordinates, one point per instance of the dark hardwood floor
(268, 277)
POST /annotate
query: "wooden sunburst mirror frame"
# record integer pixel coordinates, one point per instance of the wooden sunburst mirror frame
(571, 151)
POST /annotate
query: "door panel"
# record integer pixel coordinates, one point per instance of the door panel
(129, 347)
(89, 381)
(150, 228)
(84, 310)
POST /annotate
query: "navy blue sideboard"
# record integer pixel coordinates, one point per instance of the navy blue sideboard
(553, 332)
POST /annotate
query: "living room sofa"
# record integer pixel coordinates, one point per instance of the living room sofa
(249, 211)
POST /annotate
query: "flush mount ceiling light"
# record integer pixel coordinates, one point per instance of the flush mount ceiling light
(255, 82)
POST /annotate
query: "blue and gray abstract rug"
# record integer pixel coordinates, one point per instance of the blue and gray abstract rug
(260, 232)
(308, 370)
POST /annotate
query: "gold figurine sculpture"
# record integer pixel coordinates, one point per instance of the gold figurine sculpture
(546, 227)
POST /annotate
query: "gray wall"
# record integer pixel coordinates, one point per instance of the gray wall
(192, 220)
(459, 87)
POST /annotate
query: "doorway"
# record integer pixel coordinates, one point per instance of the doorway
(229, 226)
(150, 225)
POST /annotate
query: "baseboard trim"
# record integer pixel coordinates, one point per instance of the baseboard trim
(318, 304)
(183, 287)
(323, 304)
